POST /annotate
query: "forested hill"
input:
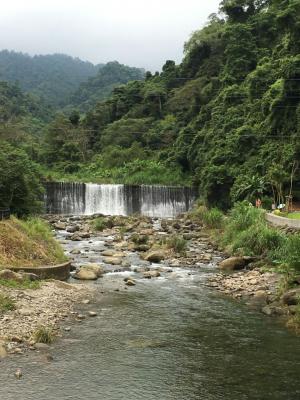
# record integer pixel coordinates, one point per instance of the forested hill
(60, 80)
(51, 77)
(228, 115)
(226, 119)
(100, 87)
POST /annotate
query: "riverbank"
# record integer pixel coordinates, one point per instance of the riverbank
(45, 306)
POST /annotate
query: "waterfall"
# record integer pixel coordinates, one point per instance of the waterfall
(87, 199)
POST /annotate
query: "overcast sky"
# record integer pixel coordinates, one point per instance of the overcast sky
(142, 33)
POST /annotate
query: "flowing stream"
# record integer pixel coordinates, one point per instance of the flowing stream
(169, 338)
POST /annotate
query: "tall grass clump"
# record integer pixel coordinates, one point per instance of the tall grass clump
(288, 255)
(44, 335)
(101, 223)
(246, 232)
(212, 218)
(177, 243)
(6, 303)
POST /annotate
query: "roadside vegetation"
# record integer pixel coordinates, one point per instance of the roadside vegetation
(28, 243)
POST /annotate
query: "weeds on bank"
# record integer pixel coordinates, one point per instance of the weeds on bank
(101, 223)
(6, 303)
(25, 284)
(177, 243)
(44, 335)
(28, 242)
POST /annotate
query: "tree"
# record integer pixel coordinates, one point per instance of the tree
(20, 185)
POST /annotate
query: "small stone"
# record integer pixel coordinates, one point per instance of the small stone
(86, 301)
(81, 316)
(18, 373)
(130, 282)
(92, 314)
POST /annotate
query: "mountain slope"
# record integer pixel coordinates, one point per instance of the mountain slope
(99, 87)
(51, 77)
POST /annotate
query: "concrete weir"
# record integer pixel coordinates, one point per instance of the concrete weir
(59, 271)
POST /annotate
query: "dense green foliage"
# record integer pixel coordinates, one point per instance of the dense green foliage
(20, 187)
(226, 119)
(228, 115)
(100, 86)
(50, 77)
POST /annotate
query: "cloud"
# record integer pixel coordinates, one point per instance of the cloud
(134, 32)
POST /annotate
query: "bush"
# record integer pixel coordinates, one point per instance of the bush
(212, 218)
(177, 243)
(289, 253)
(139, 239)
(20, 186)
(101, 223)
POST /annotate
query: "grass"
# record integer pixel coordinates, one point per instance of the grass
(212, 218)
(6, 303)
(101, 223)
(294, 215)
(28, 243)
(139, 239)
(26, 284)
(177, 243)
(44, 335)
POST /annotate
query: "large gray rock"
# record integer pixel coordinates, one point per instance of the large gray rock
(233, 263)
(60, 226)
(7, 274)
(155, 256)
(151, 274)
(291, 297)
(90, 272)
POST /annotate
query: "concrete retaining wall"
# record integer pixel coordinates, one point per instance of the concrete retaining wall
(60, 272)
(281, 221)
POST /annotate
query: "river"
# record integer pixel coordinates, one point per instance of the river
(169, 338)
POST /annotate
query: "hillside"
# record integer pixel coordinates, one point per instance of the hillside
(228, 115)
(100, 87)
(51, 77)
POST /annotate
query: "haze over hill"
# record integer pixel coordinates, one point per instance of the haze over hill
(56, 78)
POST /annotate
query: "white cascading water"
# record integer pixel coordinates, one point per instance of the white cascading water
(88, 199)
(104, 199)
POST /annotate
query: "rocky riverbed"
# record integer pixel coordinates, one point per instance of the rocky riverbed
(129, 250)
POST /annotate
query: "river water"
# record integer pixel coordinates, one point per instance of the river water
(169, 338)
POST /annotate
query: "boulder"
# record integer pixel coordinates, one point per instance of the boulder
(112, 260)
(72, 228)
(89, 272)
(291, 297)
(233, 263)
(7, 274)
(155, 256)
(60, 226)
(130, 282)
(86, 275)
(151, 274)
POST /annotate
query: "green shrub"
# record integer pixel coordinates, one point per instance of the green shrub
(44, 335)
(6, 303)
(139, 239)
(213, 218)
(288, 254)
(101, 223)
(258, 240)
(177, 243)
